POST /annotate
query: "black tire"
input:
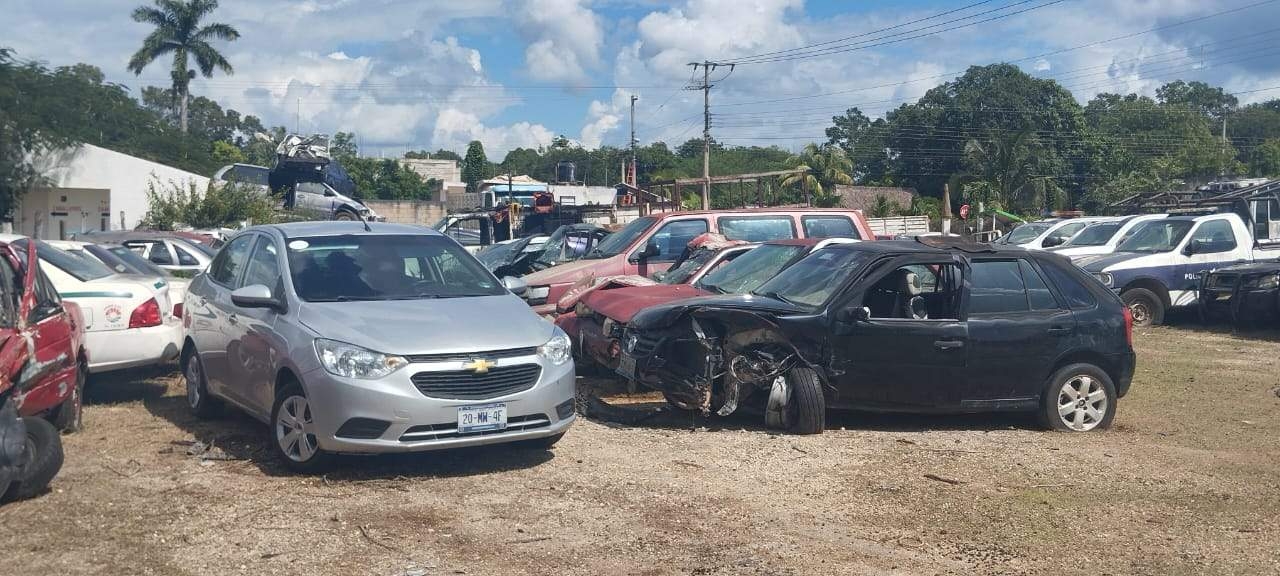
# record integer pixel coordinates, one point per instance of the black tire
(41, 462)
(69, 417)
(317, 460)
(544, 443)
(199, 401)
(1146, 306)
(807, 408)
(345, 216)
(1053, 397)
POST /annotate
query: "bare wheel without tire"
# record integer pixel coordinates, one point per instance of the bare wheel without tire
(1079, 398)
(1146, 307)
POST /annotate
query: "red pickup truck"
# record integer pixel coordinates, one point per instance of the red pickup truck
(651, 243)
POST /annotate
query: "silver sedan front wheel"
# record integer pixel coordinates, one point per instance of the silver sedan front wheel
(295, 429)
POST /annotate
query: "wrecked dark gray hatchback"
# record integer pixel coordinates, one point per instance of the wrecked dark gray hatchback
(935, 325)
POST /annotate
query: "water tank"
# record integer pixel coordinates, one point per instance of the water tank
(564, 171)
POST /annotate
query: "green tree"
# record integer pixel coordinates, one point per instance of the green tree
(1265, 159)
(1211, 101)
(863, 140)
(343, 147)
(171, 206)
(474, 166)
(178, 31)
(227, 153)
(1010, 171)
(819, 169)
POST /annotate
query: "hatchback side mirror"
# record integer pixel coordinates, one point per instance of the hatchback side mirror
(255, 296)
(650, 250)
(860, 314)
(515, 285)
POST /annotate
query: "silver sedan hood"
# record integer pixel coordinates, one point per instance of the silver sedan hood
(431, 326)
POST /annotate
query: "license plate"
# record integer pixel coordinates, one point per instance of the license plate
(482, 418)
(627, 366)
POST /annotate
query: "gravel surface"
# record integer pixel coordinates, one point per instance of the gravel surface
(1187, 482)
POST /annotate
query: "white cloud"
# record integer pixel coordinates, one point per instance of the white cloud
(566, 38)
(455, 128)
(604, 117)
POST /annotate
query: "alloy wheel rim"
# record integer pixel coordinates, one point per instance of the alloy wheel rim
(1082, 403)
(295, 429)
(193, 383)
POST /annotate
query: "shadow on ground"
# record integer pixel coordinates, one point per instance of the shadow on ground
(233, 435)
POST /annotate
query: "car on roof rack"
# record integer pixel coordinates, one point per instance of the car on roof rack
(936, 324)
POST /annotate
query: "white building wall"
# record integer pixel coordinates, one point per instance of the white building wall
(125, 177)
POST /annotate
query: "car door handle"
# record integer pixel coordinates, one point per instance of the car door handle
(1060, 329)
(947, 344)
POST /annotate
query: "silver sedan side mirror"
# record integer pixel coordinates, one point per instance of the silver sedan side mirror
(515, 285)
(254, 296)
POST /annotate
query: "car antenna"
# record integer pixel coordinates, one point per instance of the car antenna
(365, 221)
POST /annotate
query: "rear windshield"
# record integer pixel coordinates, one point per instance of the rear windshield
(81, 269)
(385, 267)
(131, 259)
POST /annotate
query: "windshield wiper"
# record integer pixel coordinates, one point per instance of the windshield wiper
(347, 299)
(712, 288)
(777, 296)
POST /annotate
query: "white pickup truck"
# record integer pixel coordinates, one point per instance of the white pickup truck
(1160, 263)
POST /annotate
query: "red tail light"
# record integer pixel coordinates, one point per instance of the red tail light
(148, 314)
(177, 310)
(1128, 326)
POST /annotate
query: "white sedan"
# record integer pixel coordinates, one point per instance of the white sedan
(124, 261)
(128, 319)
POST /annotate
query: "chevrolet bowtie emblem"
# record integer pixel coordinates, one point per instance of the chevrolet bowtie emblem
(479, 365)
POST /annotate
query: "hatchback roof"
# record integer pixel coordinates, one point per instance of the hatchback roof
(932, 244)
(336, 228)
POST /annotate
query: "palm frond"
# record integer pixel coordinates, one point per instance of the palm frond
(218, 31)
(156, 44)
(207, 59)
(153, 16)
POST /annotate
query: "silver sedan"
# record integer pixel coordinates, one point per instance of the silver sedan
(391, 338)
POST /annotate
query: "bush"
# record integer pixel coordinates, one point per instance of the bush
(174, 206)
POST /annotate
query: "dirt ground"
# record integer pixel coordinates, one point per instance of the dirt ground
(1187, 482)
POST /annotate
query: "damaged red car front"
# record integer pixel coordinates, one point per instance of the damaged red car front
(42, 374)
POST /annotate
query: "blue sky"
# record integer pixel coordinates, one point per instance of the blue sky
(409, 74)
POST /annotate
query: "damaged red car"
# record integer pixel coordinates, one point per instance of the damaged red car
(42, 375)
(598, 317)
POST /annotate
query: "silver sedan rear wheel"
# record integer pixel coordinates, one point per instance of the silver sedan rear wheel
(1082, 403)
(295, 429)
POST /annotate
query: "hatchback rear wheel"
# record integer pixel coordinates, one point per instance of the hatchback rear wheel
(1079, 398)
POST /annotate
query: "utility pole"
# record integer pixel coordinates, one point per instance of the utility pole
(634, 178)
(705, 87)
(1222, 171)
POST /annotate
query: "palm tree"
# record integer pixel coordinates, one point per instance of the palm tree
(178, 30)
(1010, 171)
(819, 169)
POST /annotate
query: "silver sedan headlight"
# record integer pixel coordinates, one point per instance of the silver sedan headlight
(558, 349)
(351, 361)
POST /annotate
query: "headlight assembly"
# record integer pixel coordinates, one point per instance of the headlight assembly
(351, 361)
(1268, 282)
(1105, 278)
(538, 292)
(558, 349)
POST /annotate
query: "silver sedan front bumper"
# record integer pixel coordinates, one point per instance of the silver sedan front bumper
(417, 422)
